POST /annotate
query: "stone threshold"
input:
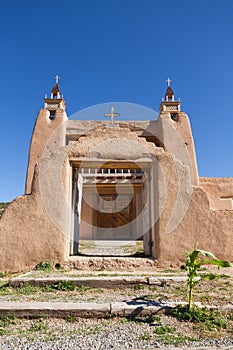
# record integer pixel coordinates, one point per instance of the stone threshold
(90, 310)
(97, 282)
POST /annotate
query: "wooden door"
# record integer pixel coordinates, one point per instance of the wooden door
(116, 210)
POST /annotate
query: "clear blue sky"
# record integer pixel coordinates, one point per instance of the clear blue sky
(116, 50)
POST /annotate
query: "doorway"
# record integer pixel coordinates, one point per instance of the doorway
(112, 209)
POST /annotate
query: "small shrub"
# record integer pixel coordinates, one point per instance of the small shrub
(44, 266)
(64, 286)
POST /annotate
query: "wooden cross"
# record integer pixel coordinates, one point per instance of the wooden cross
(168, 81)
(112, 115)
(57, 78)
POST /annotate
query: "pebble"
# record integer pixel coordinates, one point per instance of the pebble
(94, 334)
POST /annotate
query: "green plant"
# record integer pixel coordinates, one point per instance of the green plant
(64, 286)
(124, 320)
(39, 325)
(138, 287)
(83, 288)
(164, 329)
(145, 336)
(175, 339)
(210, 319)
(44, 266)
(194, 262)
(4, 274)
(152, 319)
(230, 316)
(5, 321)
(27, 289)
(71, 318)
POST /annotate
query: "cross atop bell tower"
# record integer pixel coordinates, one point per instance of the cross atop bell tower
(168, 101)
(56, 100)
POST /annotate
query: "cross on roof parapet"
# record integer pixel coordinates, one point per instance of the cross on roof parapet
(113, 114)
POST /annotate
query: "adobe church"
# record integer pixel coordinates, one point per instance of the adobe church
(115, 180)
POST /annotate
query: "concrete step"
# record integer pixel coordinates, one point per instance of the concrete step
(85, 310)
(110, 263)
(97, 282)
(90, 310)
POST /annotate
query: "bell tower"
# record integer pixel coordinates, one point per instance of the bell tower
(55, 101)
(168, 102)
(50, 118)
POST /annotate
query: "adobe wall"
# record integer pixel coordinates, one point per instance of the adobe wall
(219, 191)
(211, 229)
(27, 234)
(31, 227)
(177, 137)
(43, 130)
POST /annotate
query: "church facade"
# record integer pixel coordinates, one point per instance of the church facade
(110, 181)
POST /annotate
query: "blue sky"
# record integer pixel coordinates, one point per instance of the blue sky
(116, 50)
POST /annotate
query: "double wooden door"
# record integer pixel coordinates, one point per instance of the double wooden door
(116, 210)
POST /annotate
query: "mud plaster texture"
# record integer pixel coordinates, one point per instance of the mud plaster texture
(34, 226)
(27, 234)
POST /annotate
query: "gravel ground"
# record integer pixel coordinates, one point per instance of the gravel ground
(110, 248)
(52, 334)
(102, 334)
(207, 292)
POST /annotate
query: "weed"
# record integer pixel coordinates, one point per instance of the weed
(148, 319)
(93, 330)
(39, 325)
(162, 297)
(83, 289)
(44, 266)
(145, 336)
(164, 329)
(175, 339)
(4, 290)
(27, 289)
(5, 321)
(71, 319)
(210, 319)
(152, 319)
(64, 286)
(48, 289)
(138, 287)
(99, 290)
(3, 274)
(124, 320)
(230, 316)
